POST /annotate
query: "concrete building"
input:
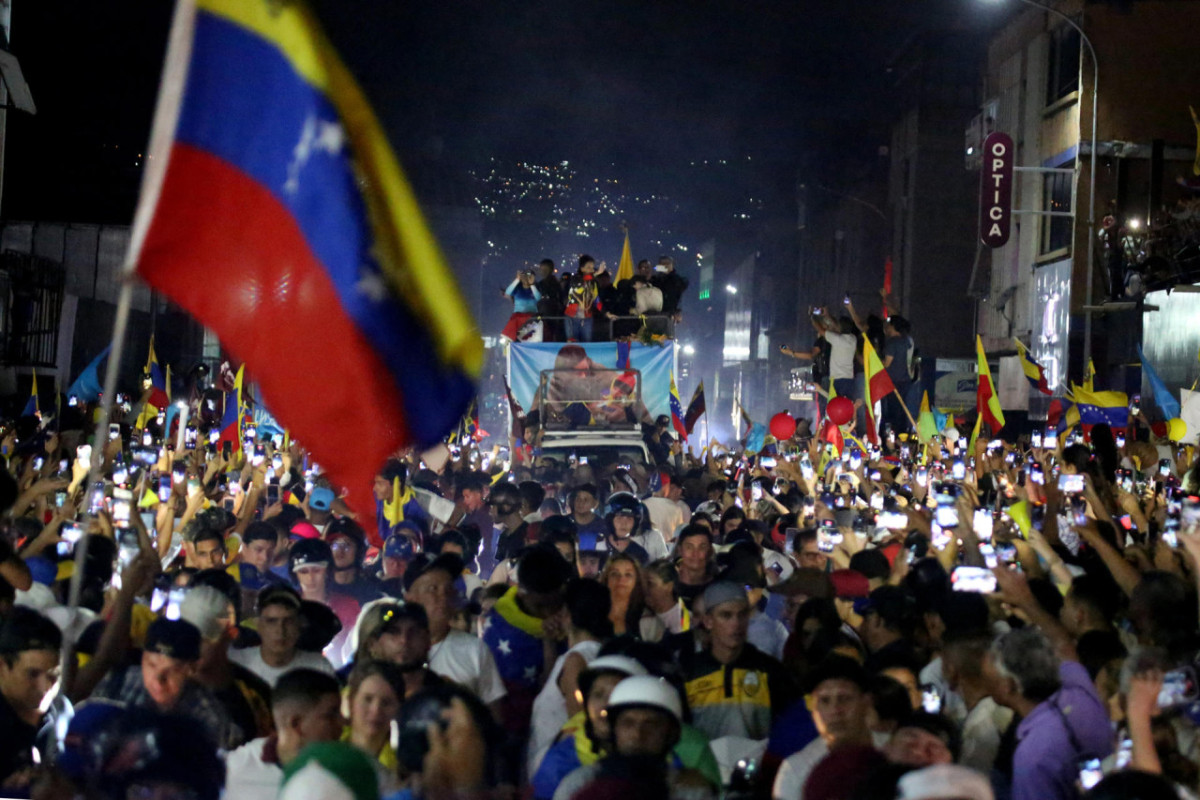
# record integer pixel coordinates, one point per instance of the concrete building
(1038, 84)
(932, 199)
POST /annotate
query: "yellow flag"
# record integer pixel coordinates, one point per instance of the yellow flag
(625, 268)
(1089, 377)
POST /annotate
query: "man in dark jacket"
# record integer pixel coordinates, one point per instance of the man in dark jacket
(671, 284)
(551, 304)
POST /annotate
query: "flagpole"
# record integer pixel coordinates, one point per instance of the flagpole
(99, 441)
(907, 413)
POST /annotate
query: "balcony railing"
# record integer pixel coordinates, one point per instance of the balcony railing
(603, 329)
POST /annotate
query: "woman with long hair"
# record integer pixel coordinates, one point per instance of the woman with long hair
(731, 520)
(622, 576)
(374, 693)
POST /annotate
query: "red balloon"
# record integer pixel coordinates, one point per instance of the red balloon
(782, 426)
(840, 410)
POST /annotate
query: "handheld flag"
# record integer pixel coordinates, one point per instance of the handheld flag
(623, 349)
(87, 386)
(1033, 370)
(986, 401)
(625, 267)
(160, 390)
(31, 406)
(878, 385)
(517, 415)
(926, 424)
(274, 211)
(1163, 398)
(1089, 377)
(695, 408)
(677, 412)
(231, 419)
(1097, 408)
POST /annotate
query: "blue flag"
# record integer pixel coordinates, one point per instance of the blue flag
(87, 386)
(1163, 398)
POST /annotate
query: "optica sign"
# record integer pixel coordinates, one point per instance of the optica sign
(995, 190)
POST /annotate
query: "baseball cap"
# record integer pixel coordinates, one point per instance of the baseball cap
(449, 563)
(399, 546)
(849, 584)
(941, 781)
(303, 530)
(723, 592)
(205, 607)
(173, 637)
(310, 553)
(278, 594)
(321, 499)
(895, 605)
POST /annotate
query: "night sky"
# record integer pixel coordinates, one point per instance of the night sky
(642, 87)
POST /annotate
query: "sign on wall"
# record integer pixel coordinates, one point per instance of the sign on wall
(995, 190)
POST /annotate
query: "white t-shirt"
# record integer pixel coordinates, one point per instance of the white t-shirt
(467, 661)
(251, 658)
(665, 515)
(248, 777)
(841, 354)
(550, 709)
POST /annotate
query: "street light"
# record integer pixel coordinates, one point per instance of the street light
(729, 287)
(1091, 223)
(689, 350)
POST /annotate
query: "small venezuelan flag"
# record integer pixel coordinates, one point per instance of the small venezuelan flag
(274, 210)
(677, 412)
(1033, 370)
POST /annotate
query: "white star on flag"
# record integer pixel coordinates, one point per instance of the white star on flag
(505, 647)
(530, 673)
(371, 285)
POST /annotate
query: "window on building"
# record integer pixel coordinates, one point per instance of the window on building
(1062, 66)
(1056, 197)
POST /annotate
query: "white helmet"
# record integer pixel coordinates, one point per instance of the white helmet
(623, 665)
(647, 691)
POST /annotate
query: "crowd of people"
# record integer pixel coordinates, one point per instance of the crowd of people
(947, 618)
(591, 304)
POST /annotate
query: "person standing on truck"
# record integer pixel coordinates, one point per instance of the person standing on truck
(525, 296)
(671, 284)
(551, 304)
(581, 301)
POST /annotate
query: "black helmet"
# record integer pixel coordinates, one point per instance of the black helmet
(623, 503)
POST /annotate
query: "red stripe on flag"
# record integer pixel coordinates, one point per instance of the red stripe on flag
(249, 275)
(985, 394)
(881, 385)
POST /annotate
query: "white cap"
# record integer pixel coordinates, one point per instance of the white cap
(942, 782)
(203, 606)
(647, 690)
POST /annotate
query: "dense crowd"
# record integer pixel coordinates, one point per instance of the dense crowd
(917, 619)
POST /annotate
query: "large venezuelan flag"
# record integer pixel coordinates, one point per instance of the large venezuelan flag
(275, 212)
(1101, 408)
